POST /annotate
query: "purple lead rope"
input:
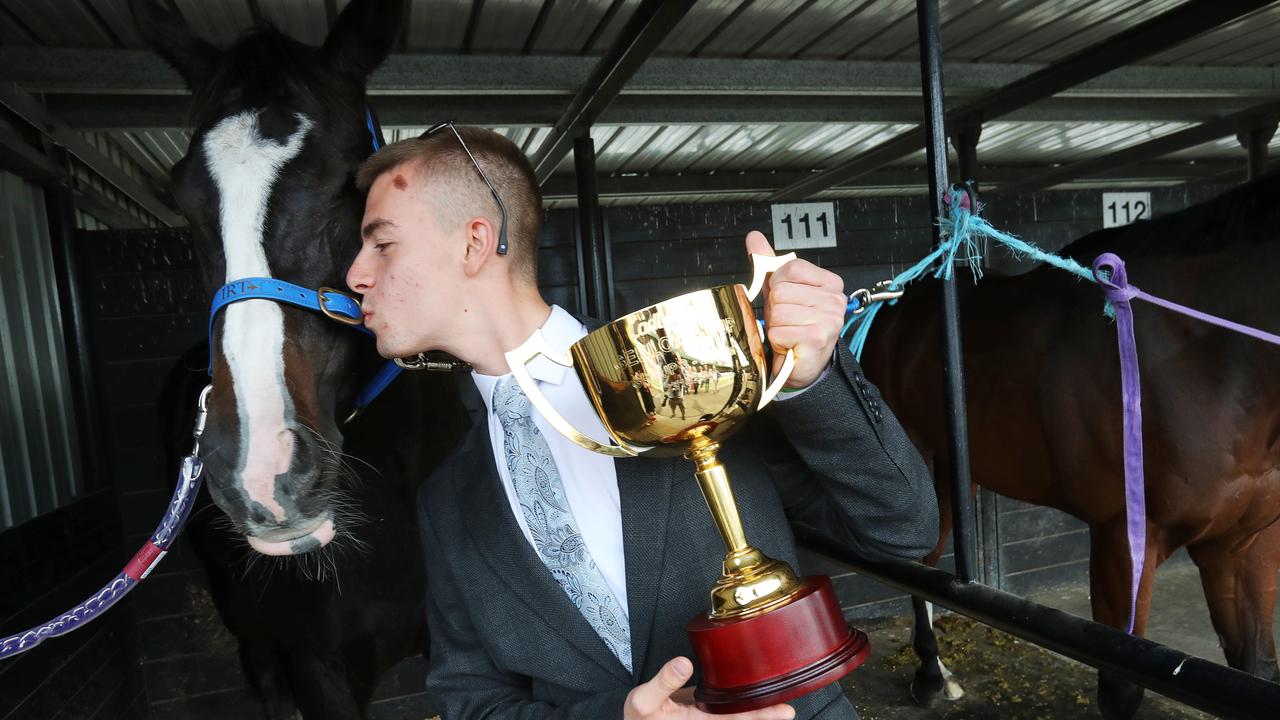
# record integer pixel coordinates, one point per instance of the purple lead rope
(142, 563)
(1109, 271)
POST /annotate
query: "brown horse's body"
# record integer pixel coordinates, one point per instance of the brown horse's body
(1043, 391)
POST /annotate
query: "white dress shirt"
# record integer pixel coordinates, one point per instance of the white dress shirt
(590, 481)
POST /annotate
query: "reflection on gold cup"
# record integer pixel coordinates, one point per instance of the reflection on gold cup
(678, 378)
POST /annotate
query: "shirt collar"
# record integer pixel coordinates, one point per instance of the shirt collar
(560, 330)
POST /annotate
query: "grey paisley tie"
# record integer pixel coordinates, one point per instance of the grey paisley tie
(555, 533)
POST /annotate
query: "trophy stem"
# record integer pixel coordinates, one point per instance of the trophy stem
(714, 481)
(752, 583)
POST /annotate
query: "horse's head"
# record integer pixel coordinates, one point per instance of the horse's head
(267, 185)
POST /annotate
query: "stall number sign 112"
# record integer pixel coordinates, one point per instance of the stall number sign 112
(804, 225)
(1122, 208)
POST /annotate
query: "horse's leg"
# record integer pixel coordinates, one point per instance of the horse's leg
(932, 679)
(1109, 583)
(269, 678)
(322, 689)
(1239, 578)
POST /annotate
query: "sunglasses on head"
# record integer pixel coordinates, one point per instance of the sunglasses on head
(502, 233)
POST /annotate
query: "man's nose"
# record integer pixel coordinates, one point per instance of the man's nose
(358, 277)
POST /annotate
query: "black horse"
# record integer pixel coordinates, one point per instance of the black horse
(1043, 392)
(267, 186)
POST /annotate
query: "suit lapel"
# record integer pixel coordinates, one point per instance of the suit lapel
(644, 486)
(497, 538)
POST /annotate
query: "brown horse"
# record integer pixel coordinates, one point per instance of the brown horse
(1043, 392)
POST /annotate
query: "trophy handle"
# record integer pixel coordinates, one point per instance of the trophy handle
(518, 361)
(763, 265)
(784, 374)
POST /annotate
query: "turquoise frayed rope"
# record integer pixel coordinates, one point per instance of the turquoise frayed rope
(962, 227)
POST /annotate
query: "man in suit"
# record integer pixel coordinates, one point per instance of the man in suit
(561, 580)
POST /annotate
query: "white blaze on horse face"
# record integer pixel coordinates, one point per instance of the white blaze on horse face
(244, 166)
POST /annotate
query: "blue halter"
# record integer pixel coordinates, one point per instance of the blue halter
(336, 305)
(331, 303)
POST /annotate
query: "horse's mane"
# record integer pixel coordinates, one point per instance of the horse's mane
(1246, 214)
(270, 62)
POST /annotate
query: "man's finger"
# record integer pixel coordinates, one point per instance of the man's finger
(806, 273)
(673, 676)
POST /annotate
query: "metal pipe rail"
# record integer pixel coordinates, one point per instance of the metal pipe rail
(1191, 680)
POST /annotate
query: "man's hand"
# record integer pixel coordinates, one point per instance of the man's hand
(663, 699)
(804, 309)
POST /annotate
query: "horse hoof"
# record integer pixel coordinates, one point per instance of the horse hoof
(951, 690)
(926, 691)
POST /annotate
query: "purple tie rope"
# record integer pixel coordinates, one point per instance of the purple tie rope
(1109, 272)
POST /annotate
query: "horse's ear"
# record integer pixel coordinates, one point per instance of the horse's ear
(169, 35)
(363, 35)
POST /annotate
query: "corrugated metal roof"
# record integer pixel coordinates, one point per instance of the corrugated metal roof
(988, 31)
(1013, 31)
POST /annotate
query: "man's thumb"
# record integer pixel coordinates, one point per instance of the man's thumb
(649, 697)
(674, 675)
(758, 244)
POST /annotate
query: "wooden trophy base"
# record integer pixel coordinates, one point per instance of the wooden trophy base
(762, 660)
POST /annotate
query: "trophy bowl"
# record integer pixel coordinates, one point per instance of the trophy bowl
(690, 367)
(678, 378)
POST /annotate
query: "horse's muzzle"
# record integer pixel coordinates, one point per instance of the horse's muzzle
(307, 539)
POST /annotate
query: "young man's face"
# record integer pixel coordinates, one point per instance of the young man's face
(403, 268)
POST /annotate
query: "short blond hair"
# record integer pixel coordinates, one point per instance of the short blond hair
(441, 162)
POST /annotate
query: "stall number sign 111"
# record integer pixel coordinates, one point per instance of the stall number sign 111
(804, 225)
(1123, 208)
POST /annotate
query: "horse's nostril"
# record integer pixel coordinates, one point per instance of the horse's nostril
(258, 516)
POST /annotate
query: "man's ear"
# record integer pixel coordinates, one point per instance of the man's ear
(168, 34)
(362, 36)
(482, 245)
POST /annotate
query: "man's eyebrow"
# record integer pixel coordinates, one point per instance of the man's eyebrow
(374, 226)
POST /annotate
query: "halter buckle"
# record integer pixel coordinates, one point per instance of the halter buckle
(333, 315)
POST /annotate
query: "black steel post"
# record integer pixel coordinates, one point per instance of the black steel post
(1255, 139)
(595, 256)
(965, 141)
(1215, 688)
(936, 152)
(60, 212)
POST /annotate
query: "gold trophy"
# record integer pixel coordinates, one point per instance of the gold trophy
(677, 378)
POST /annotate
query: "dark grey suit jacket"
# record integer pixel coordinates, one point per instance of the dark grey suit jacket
(507, 643)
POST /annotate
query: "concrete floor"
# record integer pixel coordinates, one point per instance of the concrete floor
(1004, 678)
(1179, 616)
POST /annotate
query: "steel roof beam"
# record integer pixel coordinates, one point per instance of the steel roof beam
(647, 28)
(1159, 147)
(672, 184)
(83, 70)
(31, 111)
(1159, 33)
(137, 112)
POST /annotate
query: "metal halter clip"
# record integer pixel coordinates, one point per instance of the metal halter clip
(883, 291)
(422, 362)
(202, 416)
